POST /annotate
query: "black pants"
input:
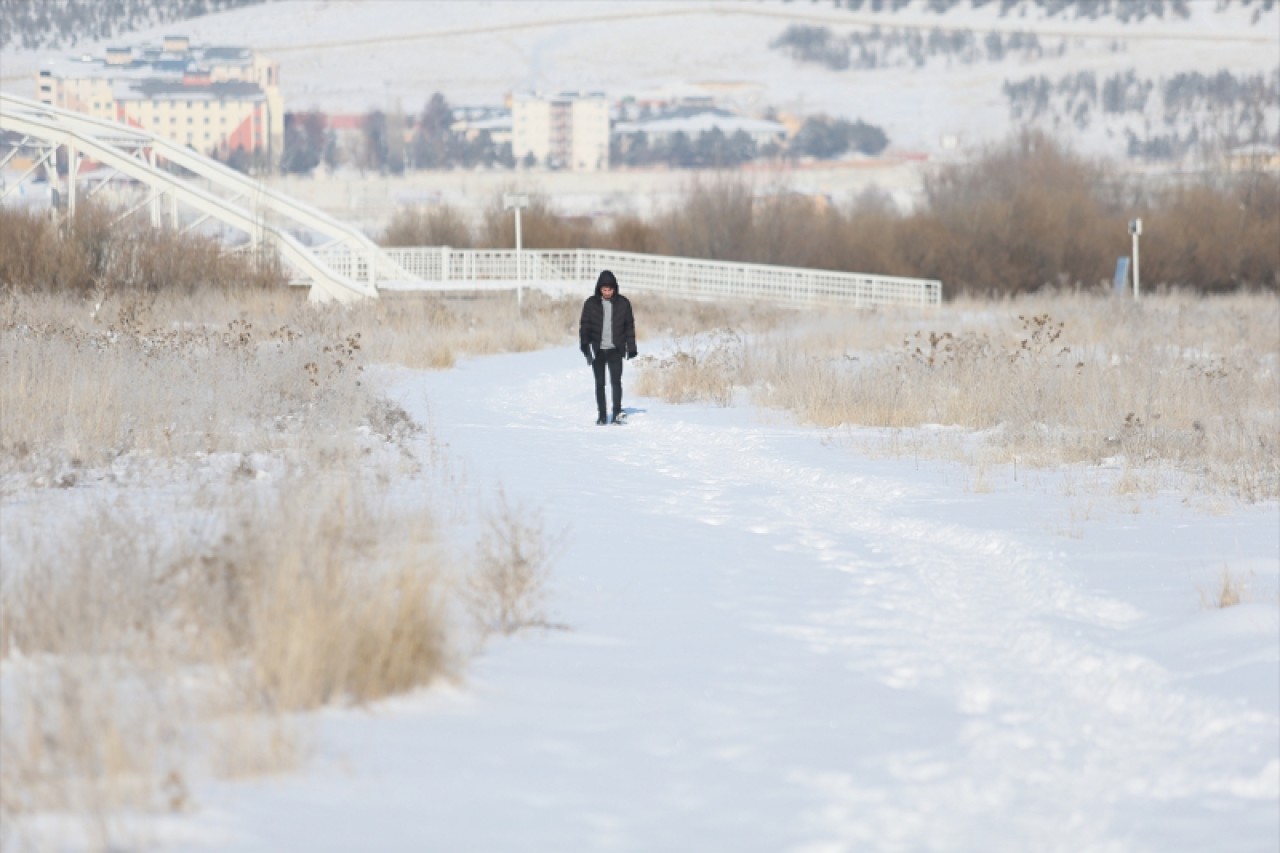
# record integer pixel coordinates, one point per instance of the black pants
(613, 358)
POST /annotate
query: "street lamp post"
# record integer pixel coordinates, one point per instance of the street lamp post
(517, 202)
(1135, 228)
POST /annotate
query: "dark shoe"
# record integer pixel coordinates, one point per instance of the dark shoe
(600, 421)
(620, 417)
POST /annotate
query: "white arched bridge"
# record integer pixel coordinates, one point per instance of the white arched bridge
(182, 189)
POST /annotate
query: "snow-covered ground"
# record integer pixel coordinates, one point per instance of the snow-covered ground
(344, 55)
(775, 641)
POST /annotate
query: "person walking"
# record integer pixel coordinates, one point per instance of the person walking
(607, 335)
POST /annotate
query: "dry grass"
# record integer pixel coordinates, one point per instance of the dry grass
(84, 386)
(91, 378)
(245, 747)
(1230, 592)
(229, 558)
(1175, 386)
(97, 249)
(152, 645)
(280, 599)
(701, 368)
(433, 332)
(429, 331)
(507, 591)
(664, 317)
(85, 736)
(705, 359)
(328, 596)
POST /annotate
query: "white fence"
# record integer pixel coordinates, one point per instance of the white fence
(443, 268)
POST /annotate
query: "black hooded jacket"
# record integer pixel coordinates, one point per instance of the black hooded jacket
(592, 323)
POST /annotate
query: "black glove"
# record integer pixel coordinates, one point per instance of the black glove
(586, 353)
(631, 355)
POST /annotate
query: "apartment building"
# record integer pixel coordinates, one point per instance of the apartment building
(213, 99)
(569, 130)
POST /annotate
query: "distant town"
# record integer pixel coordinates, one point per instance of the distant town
(225, 101)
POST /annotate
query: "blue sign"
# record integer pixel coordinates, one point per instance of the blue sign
(1121, 282)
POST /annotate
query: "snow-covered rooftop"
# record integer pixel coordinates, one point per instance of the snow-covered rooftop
(145, 61)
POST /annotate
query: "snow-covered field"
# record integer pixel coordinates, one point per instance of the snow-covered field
(773, 640)
(343, 55)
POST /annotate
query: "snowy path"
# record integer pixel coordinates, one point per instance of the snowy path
(777, 644)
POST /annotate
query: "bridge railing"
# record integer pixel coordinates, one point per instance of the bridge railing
(444, 268)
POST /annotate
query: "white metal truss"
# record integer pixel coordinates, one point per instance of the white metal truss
(207, 188)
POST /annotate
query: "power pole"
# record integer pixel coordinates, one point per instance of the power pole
(517, 201)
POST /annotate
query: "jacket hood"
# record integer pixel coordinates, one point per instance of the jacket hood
(607, 277)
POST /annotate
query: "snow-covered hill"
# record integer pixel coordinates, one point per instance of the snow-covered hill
(340, 55)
